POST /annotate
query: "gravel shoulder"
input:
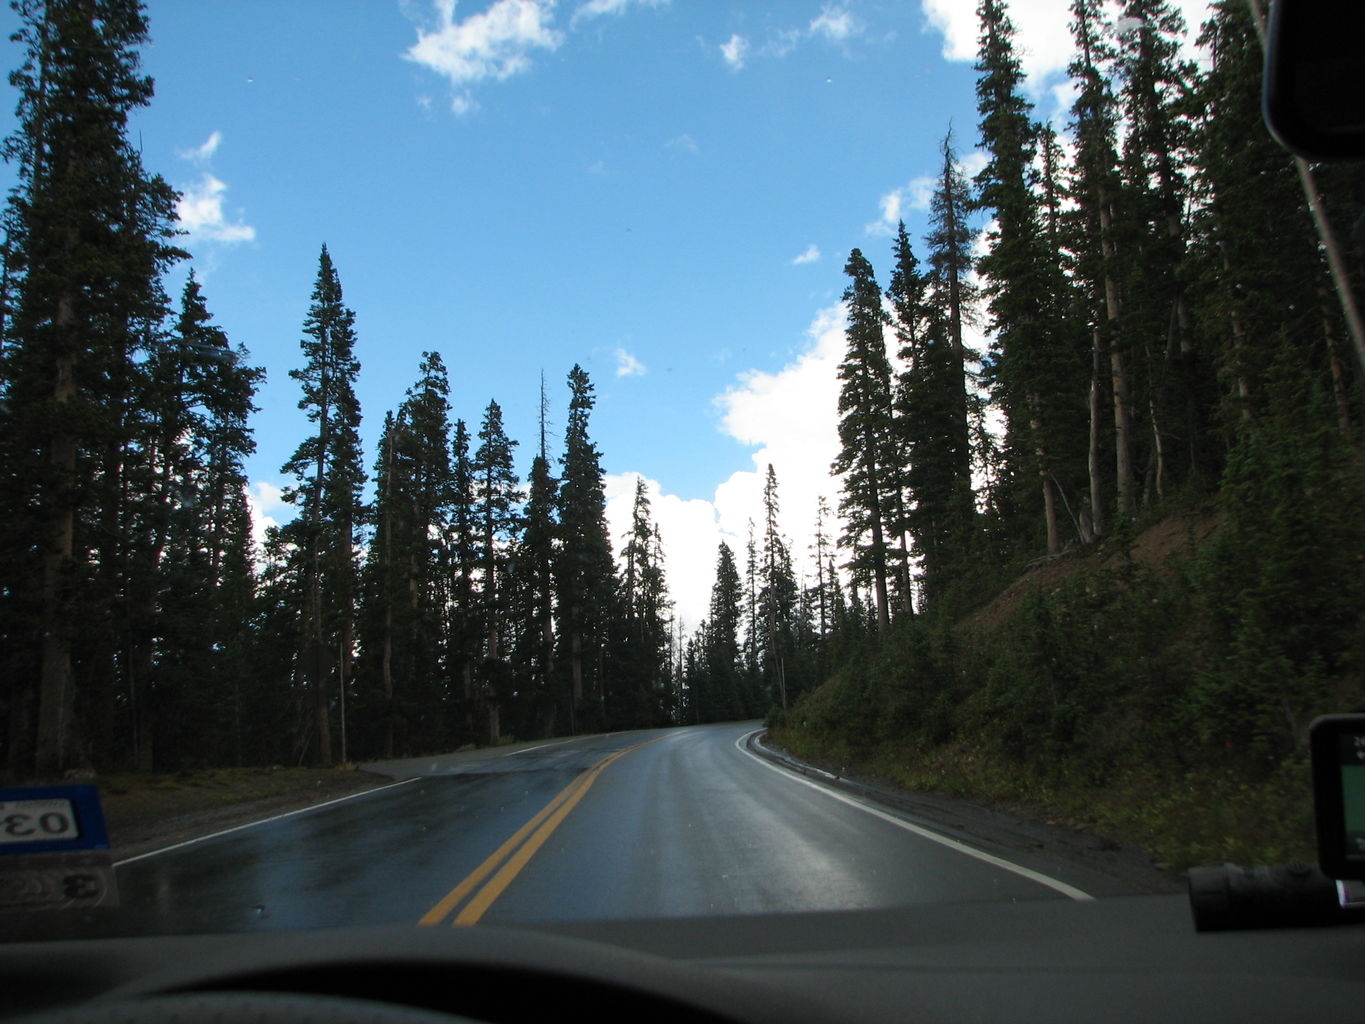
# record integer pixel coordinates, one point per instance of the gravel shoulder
(978, 825)
(148, 812)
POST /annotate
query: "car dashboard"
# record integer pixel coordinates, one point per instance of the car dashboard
(1120, 959)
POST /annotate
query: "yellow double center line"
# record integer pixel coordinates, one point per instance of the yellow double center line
(509, 858)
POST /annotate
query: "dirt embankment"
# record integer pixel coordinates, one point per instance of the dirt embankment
(1177, 536)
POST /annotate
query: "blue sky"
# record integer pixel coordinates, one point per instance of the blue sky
(664, 192)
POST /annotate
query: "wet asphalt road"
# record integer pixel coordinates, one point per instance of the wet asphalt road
(681, 822)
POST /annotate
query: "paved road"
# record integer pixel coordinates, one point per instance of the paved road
(666, 822)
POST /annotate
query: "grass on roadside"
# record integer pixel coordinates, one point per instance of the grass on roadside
(1201, 818)
(135, 800)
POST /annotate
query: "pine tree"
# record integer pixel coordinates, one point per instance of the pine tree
(192, 544)
(1036, 361)
(1261, 273)
(463, 628)
(867, 460)
(777, 600)
(585, 572)
(1098, 193)
(535, 655)
(400, 674)
(496, 496)
(911, 318)
(330, 476)
(752, 626)
(89, 236)
(1157, 84)
(953, 294)
(640, 656)
(822, 603)
(722, 667)
(933, 408)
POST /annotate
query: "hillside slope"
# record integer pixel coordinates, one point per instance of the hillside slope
(1156, 690)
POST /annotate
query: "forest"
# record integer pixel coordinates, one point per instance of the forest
(1174, 344)
(1170, 330)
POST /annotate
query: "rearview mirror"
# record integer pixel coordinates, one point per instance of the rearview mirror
(1314, 84)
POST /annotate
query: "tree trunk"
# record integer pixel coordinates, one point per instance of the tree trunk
(1093, 462)
(52, 751)
(386, 674)
(1054, 543)
(1123, 433)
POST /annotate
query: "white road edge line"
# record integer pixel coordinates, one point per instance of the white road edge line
(538, 746)
(952, 844)
(262, 821)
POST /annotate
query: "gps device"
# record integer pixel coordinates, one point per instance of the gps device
(1337, 743)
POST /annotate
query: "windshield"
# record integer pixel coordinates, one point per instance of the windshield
(516, 461)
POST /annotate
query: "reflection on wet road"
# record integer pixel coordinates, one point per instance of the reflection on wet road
(628, 825)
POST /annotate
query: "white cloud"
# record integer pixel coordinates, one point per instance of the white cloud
(917, 194)
(627, 365)
(597, 8)
(889, 214)
(265, 503)
(1042, 40)
(783, 43)
(834, 23)
(493, 44)
(811, 255)
(683, 143)
(973, 163)
(734, 51)
(201, 154)
(200, 210)
(790, 418)
(688, 532)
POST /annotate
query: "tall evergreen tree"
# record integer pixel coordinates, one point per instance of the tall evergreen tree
(868, 456)
(724, 667)
(1035, 360)
(641, 662)
(330, 476)
(1156, 85)
(1099, 220)
(777, 600)
(933, 407)
(952, 294)
(1260, 267)
(535, 595)
(192, 544)
(911, 319)
(463, 629)
(401, 671)
(496, 497)
(585, 572)
(89, 238)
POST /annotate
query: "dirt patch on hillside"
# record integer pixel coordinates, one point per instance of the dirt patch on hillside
(1173, 538)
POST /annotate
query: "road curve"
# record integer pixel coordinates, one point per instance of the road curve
(674, 822)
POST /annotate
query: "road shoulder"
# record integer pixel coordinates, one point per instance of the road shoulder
(991, 829)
